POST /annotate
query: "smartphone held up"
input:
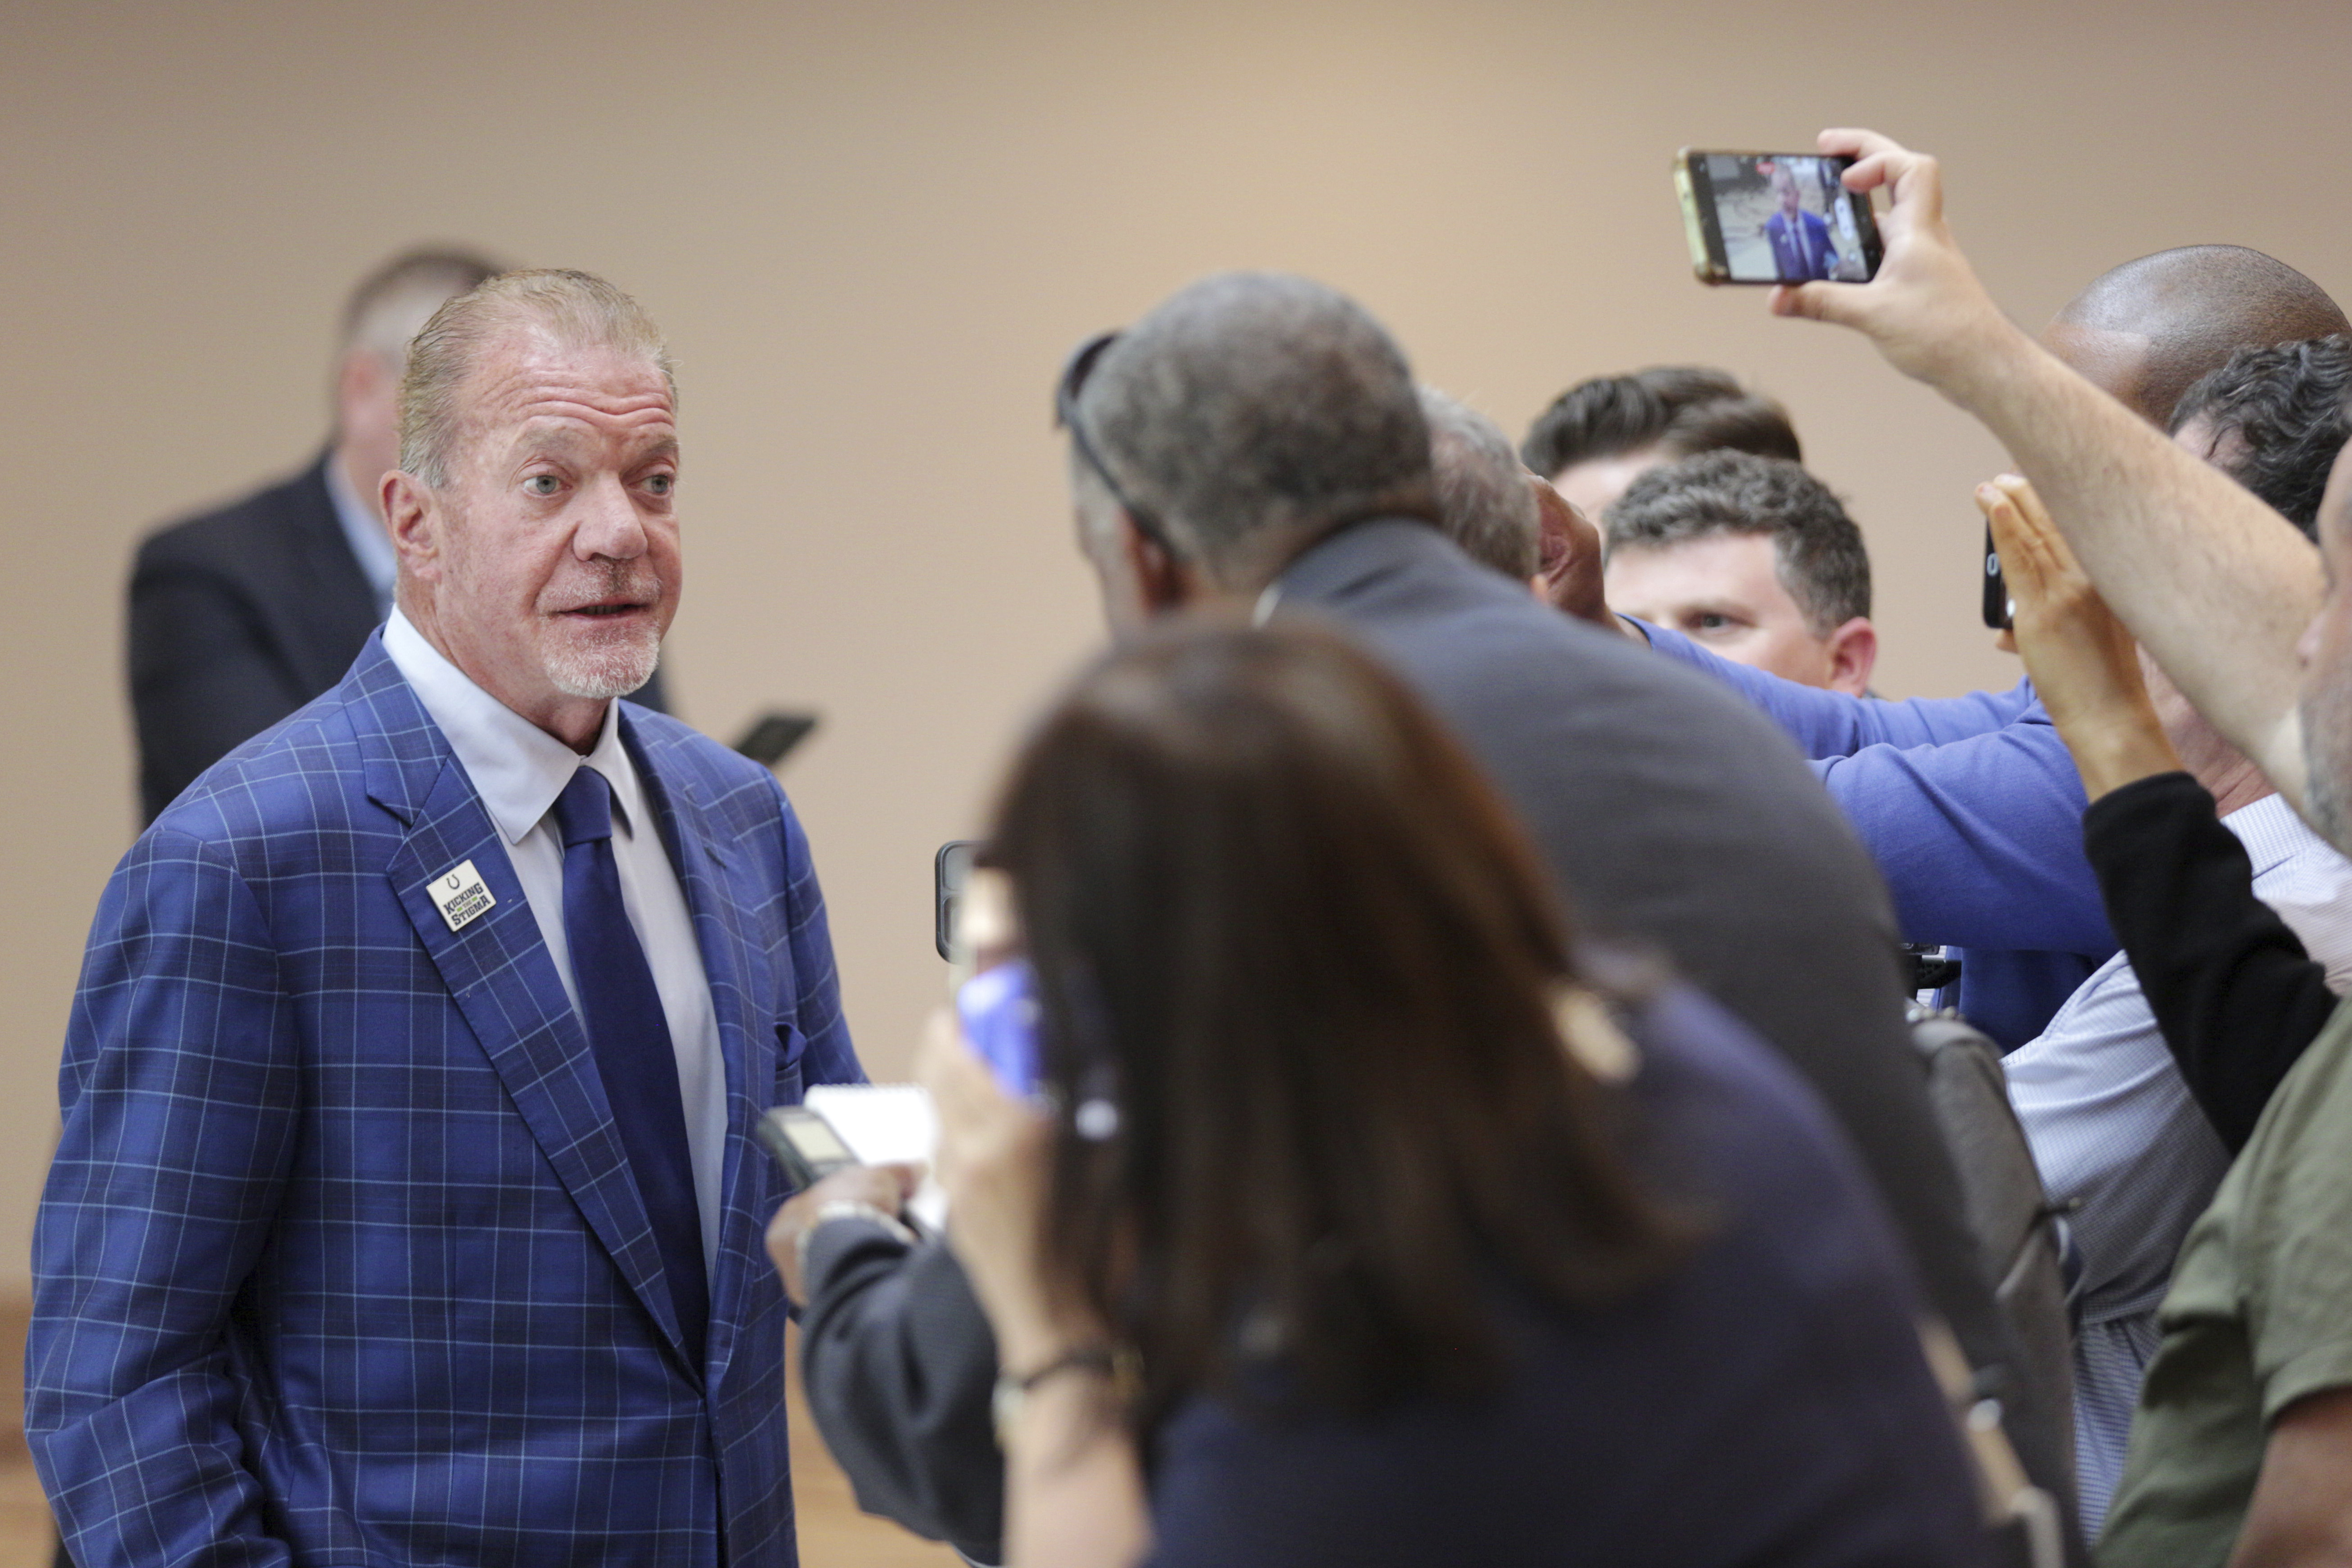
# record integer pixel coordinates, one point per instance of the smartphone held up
(1998, 609)
(1775, 217)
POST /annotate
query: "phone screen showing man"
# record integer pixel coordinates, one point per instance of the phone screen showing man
(1785, 218)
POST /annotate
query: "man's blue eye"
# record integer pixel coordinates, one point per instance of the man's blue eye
(662, 484)
(541, 485)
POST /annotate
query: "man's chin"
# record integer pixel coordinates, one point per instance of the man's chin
(600, 669)
(2324, 773)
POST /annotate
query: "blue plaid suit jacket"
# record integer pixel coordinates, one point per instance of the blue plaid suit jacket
(338, 1260)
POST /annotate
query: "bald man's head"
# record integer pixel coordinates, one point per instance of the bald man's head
(2145, 330)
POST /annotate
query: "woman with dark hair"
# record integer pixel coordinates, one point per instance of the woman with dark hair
(1351, 1225)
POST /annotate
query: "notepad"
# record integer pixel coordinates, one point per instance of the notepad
(888, 1123)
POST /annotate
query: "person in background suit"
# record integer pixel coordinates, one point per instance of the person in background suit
(406, 1209)
(1802, 246)
(1256, 444)
(242, 615)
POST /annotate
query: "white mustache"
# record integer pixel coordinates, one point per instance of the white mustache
(624, 581)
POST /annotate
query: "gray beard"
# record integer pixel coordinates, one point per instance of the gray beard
(603, 674)
(2323, 791)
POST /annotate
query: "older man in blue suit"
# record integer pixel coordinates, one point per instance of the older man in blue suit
(404, 1211)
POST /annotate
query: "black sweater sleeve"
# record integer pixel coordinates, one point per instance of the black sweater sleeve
(899, 1365)
(2233, 989)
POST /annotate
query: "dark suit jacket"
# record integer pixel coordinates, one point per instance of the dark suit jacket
(1672, 814)
(239, 617)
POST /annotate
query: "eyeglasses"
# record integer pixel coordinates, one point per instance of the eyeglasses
(1065, 417)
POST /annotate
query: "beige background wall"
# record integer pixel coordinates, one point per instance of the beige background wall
(873, 230)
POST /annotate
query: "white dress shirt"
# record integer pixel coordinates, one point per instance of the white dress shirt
(2116, 1133)
(519, 770)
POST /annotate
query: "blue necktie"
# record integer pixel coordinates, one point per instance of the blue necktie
(622, 1011)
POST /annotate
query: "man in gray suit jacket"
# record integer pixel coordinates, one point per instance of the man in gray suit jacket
(1255, 443)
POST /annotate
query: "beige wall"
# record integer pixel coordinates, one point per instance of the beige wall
(873, 230)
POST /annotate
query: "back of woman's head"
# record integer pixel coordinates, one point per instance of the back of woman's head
(1281, 923)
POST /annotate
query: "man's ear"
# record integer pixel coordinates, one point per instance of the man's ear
(413, 516)
(1163, 583)
(1854, 651)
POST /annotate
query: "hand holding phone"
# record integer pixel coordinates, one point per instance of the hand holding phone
(1997, 609)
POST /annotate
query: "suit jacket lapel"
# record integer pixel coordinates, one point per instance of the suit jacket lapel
(743, 988)
(500, 975)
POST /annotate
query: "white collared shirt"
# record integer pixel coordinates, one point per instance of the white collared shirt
(519, 770)
(2303, 879)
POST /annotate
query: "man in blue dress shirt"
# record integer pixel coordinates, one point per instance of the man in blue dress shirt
(405, 1210)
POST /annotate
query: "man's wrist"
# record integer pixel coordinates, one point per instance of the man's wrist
(1989, 358)
(2108, 757)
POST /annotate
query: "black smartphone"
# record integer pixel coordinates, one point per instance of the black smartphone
(1996, 588)
(949, 868)
(772, 734)
(802, 1144)
(1775, 217)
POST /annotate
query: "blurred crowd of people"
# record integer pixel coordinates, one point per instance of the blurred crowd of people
(1539, 1061)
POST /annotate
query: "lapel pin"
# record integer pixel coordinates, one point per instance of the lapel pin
(460, 895)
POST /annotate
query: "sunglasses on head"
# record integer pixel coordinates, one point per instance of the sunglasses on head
(1065, 417)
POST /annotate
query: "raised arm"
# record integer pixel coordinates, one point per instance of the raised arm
(899, 1363)
(2217, 586)
(180, 1097)
(1968, 805)
(1834, 724)
(1073, 1487)
(2079, 652)
(2233, 992)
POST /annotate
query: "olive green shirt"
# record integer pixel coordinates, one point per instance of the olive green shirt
(2259, 1315)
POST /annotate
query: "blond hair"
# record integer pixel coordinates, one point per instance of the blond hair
(577, 309)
